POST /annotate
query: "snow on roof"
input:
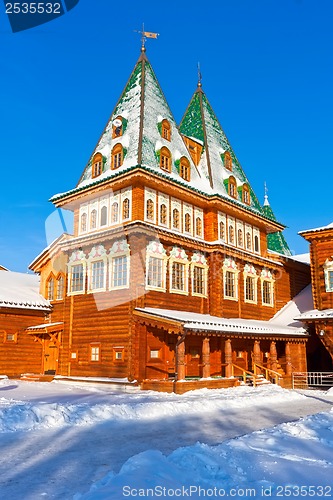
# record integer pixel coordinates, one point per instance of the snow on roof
(45, 325)
(19, 290)
(206, 322)
(302, 302)
(315, 314)
(322, 228)
(302, 257)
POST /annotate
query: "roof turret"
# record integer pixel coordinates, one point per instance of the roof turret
(275, 241)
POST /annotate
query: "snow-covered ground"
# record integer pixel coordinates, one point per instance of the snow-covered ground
(76, 440)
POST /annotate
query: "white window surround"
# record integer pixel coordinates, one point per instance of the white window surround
(126, 194)
(267, 277)
(256, 237)
(163, 200)
(221, 218)
(230, 266)
(155, 250)
(97, 254)
(188, 211)
(118, 250)
(151, 195)
(199, 260)
(198, 214)
(178, 256)
(77, 258)
(250, 272)
(328, 274)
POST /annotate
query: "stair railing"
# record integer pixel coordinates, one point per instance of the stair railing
(276, 376)
(244, 373)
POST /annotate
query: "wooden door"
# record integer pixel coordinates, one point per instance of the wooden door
(50, 356)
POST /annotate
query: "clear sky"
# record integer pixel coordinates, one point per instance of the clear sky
(267, 72)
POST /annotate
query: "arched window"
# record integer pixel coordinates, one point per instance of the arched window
(246, 194)
(248, 241)
(117, 127)
(185, 169)
(163, 214)
(150, 210)
(60, 287)
(126, 208)
(175, 219)
(188, 223)
(50, 288)
(256, 243)
(117, 156)
(198, 226)
(165, 160)
(166, 130)
(222, 230)
(231, 235)
(83, 222)
(104, 216)
(97, 165)
(240, 238)
(227, 160)
(114, 212)
(232, 187)
(93, 219)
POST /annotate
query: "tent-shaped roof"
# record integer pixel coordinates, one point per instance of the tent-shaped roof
(201, 124)
(141, 108)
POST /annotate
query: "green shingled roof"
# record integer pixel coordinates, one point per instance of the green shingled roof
(275, 241)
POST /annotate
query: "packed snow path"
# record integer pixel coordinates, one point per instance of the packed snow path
(57, 439)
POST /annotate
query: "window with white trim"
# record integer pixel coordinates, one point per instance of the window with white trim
(95, 352)
(250, 284)
(97, 266)
(267, 288)
(328, 274)
(119, 265)
(156, 259)
(76, 273)
(230, 279)
(199, 274)
(60, 287)
(178, 271)
(50, 288)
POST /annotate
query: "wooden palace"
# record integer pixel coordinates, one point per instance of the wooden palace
(176, 276)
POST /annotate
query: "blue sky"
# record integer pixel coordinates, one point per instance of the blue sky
(267, 72)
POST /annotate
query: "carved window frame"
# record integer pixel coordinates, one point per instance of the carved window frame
(178, 270)
(230, 272)
(119, 265)
(156, 254)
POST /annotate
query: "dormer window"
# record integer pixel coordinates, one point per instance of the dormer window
(166, 130)
(185, 169)
(227, 160)
(117, 127)
(232, 187)
(165, 160)
(97, 165)
(246, 194)
(117, 156)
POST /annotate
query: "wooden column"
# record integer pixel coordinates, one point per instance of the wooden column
(273, 356)
(257, 355)
(181, 360)
(206, 358)
(289, 368)
(228, 358)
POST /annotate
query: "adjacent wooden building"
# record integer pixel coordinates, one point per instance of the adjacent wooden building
(321, 256)
(175, 273)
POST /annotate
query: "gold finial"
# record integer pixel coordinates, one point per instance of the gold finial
(144, 36)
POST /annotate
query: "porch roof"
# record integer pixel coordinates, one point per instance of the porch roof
(46, 328)
(315, 314)
(207, 323)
